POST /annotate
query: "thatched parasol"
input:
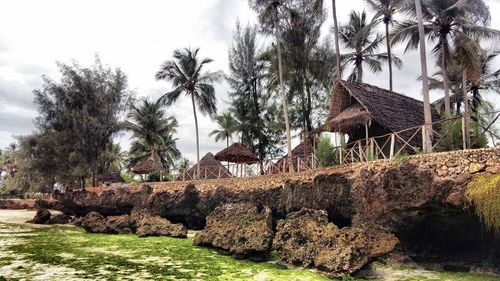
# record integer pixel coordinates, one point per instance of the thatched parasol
(237, 153)
(147, 166)
(210, 168)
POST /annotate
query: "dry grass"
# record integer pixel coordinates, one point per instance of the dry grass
(483, 192)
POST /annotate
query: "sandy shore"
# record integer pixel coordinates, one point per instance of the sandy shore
(18, 216)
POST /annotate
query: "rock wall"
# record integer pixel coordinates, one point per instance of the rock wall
(411, 197)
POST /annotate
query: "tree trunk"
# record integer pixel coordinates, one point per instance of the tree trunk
(466, 110)
(427, 138)
(389, 53)
(197, 139)
(337, 45)
(446, 81)
(283, 96)
(359, 68)
(94, 178)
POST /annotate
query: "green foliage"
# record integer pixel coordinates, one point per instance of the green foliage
(451, 136)
(228, 125)
(325, 152)
(78, 118)
(483, 192)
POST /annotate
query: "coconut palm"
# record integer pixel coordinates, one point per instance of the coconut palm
(269, 17)
(337, 45)
(445, 23)
(185, 73)
(152, 133)
(361, 38)
(384, 12)
(227, 127)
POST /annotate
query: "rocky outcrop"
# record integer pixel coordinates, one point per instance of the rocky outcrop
(118, 224)
(17, 204)
(41, 217)
(59, 219)
(94, 222)
(243, 230)
(151, 225)
(306, 238)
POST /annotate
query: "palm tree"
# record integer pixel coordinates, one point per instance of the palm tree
(427, 138)
(384, 12)
(152, 133)
(360, 37)
(445, 22)
(227, 127)
(185, 73)
(269, 12)
(337, 45)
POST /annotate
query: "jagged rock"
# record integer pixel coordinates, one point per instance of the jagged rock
(59, 219)
(158, 226)
(118, 224)
(240, 229)
(41, 217)
(305, 238)
(94, 222)
(476, 168)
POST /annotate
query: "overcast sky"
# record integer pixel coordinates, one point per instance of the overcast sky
(138, 36)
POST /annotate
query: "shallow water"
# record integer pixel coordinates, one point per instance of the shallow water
(68, 253)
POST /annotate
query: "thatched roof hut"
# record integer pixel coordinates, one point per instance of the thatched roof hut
(237, 153)
(303, 151)
(357, 108)
(147, 166)
(210, 168)
(111, 177)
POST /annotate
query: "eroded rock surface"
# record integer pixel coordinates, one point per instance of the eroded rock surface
(151, 225)
(118, 224)
(306, 238)
(94, 222)
(41, 217)
(59, 219)
(243, 230)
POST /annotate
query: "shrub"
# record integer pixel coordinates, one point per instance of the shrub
(483, 192)
(325, 152)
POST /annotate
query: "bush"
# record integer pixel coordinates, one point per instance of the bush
(445, 143)
(325, 152)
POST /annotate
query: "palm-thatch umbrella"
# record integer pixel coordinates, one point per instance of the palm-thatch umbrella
(210, 168)
(239, 154)
(147, 166)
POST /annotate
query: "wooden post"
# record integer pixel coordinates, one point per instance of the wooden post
(393, 140)
(360, 150)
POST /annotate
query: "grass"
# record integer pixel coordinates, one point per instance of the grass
(68, 253)
(483, 192)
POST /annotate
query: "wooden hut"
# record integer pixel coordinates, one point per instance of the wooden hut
(210, 168)
(147, 166)
(240, 155)
(302, 155)
(363, 111)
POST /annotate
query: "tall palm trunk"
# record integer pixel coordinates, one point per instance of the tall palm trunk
(446, 82)
(466, 110)
(337, 45)
(283, 96)
(198, 172)
(389, 53)
(359, 67)
(427, 137)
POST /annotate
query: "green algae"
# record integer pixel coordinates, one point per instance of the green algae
(68, 253)
(483, 192)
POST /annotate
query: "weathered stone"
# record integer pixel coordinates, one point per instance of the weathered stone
(41, 217)
(118, 224)
(306, 238)
(158, 226)
(476, 168)
(94, 222)
(241, 229)
(59, 219)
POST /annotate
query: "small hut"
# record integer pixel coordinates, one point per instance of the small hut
(147, 166)
(110, 177)
(239, 154)
(210, 168)
(303, 152)
(362, 111)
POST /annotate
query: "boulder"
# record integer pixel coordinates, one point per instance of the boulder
(242, 229)
(94, 222)
(59, 219)
(41, 217)
(150, 225)
(306, 238)
(118, 224)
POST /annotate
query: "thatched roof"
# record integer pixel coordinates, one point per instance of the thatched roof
(210, 168)
(237, 153)
(147, 166)
(111, 177)
(303, 150)
(353, 103)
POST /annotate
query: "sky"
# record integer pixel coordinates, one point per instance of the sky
(137, 36)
